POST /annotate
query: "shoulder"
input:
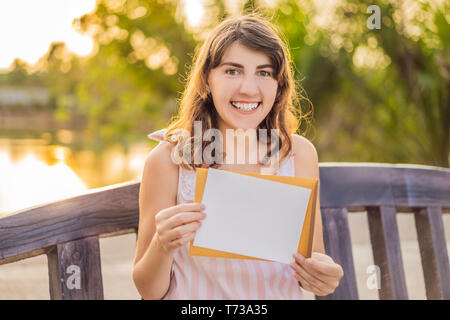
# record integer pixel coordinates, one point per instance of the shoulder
(160, 155)
(302, 146)
(305, 155)
(159, 165)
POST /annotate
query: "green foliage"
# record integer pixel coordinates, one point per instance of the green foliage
(378, 95)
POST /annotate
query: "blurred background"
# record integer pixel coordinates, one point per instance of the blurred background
(83, 82)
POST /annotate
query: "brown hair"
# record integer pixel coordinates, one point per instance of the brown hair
(196, 104)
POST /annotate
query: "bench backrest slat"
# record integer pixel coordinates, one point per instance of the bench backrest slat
(433, 251)
(75, 270)
(339, 246)
(387, 253)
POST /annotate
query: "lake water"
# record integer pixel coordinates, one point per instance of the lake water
(33, 172)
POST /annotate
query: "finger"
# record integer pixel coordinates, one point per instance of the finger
(183, 218)
(169, 212)
(312, 288)
(302, 282)
(165, 228)
(324, 287)
(308, 286)
(183, 230)
(320, 269)
(299, 259)
(316, 282)
(321, 257)
(326, 268)
(301, 270)
(182, 241)
(304, 263)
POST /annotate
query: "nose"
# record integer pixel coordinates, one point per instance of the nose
(249, 86)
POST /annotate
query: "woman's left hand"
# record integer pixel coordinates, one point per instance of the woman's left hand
(318, 274)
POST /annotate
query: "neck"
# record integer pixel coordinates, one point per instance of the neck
(240, 146)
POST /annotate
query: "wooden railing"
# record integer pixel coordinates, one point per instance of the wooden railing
(383, 191)
(68, 231)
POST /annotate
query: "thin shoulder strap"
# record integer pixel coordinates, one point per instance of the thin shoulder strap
(157, 135)
(287, 167)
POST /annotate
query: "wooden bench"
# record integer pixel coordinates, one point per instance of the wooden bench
(68, 231)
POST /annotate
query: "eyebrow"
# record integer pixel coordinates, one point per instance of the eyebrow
(237, 65)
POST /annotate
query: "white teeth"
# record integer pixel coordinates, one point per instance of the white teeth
(245, 106)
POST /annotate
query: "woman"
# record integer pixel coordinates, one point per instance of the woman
(241, 80)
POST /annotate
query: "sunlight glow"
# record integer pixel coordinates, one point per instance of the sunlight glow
(28, 27)
(31, 181)
(80, 44)
(194, 11)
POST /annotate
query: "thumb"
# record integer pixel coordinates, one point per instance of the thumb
(321, 257)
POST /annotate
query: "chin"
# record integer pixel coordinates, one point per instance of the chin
(246, 125)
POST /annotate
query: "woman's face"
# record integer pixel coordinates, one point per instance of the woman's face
(242, 87)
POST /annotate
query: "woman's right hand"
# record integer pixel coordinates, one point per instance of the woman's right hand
(177, 225)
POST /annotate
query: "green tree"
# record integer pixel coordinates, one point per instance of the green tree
(378, 95)
(392, 82)
(131, 84)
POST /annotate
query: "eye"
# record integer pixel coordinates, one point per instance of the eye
(265, 73)
(232, 71)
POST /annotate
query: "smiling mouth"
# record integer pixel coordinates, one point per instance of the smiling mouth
(246, 107)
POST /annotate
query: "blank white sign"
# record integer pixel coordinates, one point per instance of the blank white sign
(252, 216)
